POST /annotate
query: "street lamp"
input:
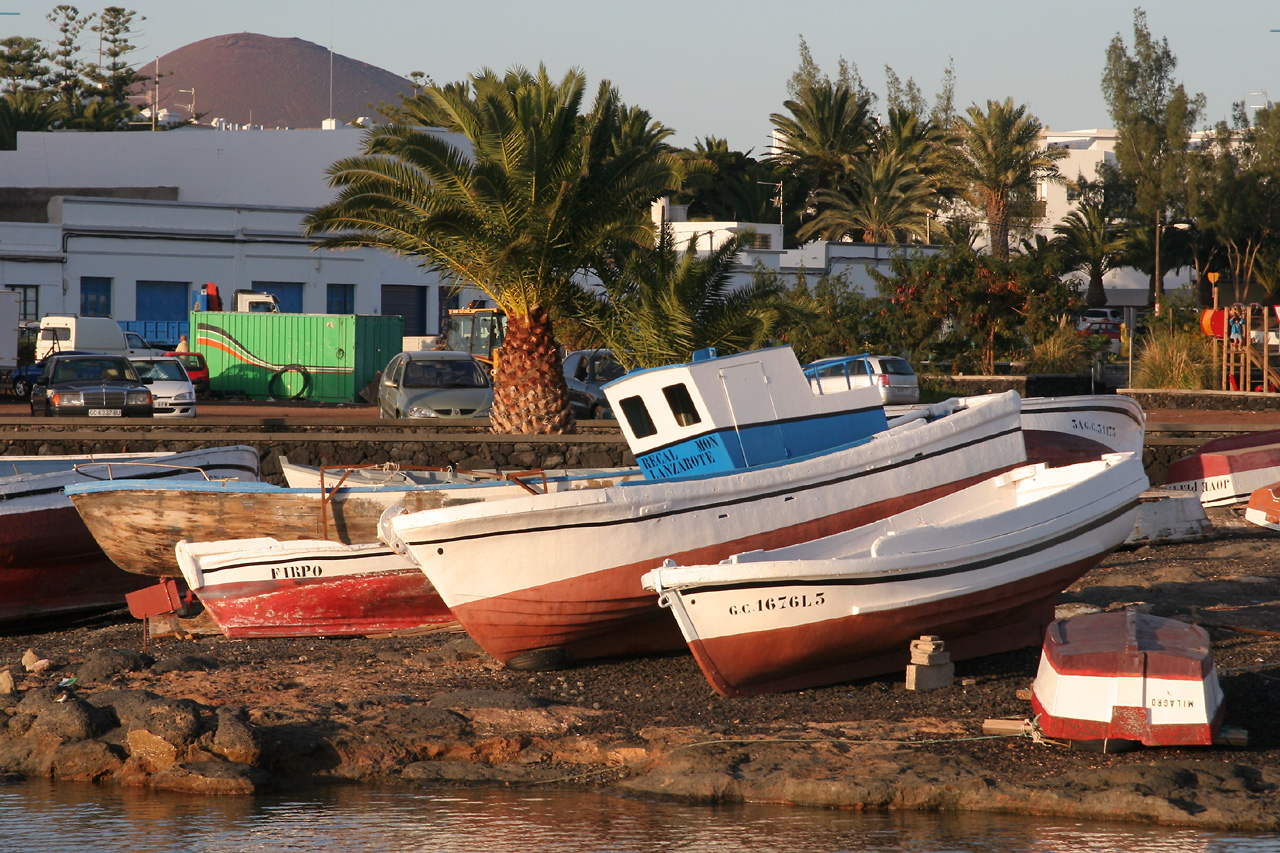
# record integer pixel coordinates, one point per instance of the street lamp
(779, 186)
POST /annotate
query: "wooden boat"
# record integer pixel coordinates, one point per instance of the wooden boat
(263, 587)
(391, 474)
(1263, 508)
(138, 524)
(735, 459)
(1226, 471)
(49, 561)
(1119, 679)
(980, 568)
(14, 465)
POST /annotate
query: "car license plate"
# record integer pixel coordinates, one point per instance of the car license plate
(106, 413)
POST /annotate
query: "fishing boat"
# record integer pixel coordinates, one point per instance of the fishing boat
(979, 568)
(263, 587)
(1065, 430)
(1226, 471)
(139, 523)
(393, 474)
(738, 454)
(1111, 681)
(49, 561)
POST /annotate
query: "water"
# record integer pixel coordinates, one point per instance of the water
(40, 816)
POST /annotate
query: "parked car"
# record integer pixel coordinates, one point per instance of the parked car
(1100, 315)
(171, 389)
(197, 370)
(435, 384)
(96, 386)
(585, 371)
(892, 375)
(24, 377)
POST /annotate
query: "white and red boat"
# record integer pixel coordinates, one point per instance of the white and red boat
(49, 561)
(736, 459)
(264, 587)
(1115, 680)
(1263, 508)
(1063, 430)
(1226, 471)
(981, 568)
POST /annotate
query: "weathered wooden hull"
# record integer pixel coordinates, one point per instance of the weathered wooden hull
(848, 607)
(563, 572)
(1227, 471)
(1127, 676)
(267, 588)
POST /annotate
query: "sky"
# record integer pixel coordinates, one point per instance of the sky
(718, 68)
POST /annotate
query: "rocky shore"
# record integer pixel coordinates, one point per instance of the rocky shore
(85, 702)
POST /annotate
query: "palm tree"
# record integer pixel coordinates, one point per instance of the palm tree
(542, 193)
(1093, 243)
(1000, 160)
(886, 197)
(27, 109)
(662, 304)
(830, 127)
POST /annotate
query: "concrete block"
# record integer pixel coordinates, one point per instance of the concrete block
(930, 677)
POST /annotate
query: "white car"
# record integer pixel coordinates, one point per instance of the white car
(175, 396)
(891, 375)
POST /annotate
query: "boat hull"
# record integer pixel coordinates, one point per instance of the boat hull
(1066, 430)
(1127, 676)
(1264, 507)
(1226, 471)
(563, 571)
(50, 562)
(266, 588)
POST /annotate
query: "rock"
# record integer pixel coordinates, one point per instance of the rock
(30, 659)
(486, 699)
(102, 664)
(86, 761)
(463, 648)
(427, 722)
(185, 663)
(178, 721)
(6, 682)
(212, 777)
(235, 739)
(63, 715)
(153, 753)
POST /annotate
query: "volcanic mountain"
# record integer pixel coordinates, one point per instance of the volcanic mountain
(248, 78)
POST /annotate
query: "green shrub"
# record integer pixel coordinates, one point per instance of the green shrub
(1181, 359)
(1064, 351)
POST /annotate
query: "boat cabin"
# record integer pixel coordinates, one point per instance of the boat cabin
(723, 413)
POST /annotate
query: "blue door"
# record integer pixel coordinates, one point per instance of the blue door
(167, 301)
(288, 292)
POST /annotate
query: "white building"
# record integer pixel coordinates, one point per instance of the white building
(130, 225)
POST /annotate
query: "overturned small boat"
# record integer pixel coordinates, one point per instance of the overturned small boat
(1113, 681)
(1226, 471)
(980, 568)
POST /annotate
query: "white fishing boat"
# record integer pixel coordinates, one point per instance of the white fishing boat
(1226, 471)
(738, 455)
(393, 475)
(980, 568)
(263, 587)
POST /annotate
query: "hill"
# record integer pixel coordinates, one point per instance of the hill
(248, 78)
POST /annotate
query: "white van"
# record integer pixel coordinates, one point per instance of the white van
(59, 333)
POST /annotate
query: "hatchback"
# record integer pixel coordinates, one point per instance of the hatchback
(585, 371)
(197, 370)
(891, 375)
(174, 394)
(435, 384)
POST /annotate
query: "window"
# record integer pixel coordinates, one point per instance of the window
(681, 404)
(633, 409)
(30, 304)
(95, 296)
(762, 241)
(341, 299)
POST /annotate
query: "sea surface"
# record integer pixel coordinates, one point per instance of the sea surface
(41, 816)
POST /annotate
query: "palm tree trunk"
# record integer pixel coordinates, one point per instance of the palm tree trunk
(529, 393)
(998, 225)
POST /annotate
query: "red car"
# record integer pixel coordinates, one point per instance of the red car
(197, 370)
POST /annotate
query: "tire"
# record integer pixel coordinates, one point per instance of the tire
(279, 374)
(22, 387)
(541, 660)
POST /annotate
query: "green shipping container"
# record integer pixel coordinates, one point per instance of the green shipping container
(326, 358)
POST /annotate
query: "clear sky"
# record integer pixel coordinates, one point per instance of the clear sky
(719, 68)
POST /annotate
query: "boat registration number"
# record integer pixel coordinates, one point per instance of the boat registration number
(106, 413)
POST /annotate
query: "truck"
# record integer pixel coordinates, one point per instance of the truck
(62, 332)
(250, 301)
(477, 329)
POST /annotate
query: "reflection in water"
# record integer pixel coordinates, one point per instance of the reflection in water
(40, 816)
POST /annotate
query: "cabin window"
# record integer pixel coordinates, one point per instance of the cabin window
(637, 415)
(681, 404)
